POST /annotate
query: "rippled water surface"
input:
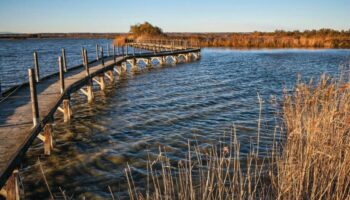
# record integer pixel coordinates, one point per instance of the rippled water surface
(16, 56)
(165, 107)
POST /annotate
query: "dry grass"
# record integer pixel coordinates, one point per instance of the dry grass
(314, 162)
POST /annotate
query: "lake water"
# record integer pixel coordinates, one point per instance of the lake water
(164, 107)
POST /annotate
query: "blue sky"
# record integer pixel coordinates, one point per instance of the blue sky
(32, 16)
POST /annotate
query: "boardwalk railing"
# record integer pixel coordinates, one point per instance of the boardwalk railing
(27, 110)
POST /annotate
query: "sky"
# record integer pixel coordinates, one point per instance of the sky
(34, 16)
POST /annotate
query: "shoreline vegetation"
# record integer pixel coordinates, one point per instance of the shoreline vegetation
(322, 38)
(312, 162)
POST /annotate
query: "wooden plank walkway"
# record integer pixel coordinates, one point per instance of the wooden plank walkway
(16, 120)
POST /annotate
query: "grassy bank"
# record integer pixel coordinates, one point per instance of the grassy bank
(323, 38)
(314, 162)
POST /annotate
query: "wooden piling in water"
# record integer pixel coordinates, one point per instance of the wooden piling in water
(64, 60)
(48, 144)
(36, 67)
(12, 186)
(33, 97)
(67, 113)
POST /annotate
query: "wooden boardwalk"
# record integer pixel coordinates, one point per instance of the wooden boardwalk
(16, 122)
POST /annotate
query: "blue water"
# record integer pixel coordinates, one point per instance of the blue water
(16, 56)
(165, 107)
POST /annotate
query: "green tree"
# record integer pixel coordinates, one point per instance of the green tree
(145, 29)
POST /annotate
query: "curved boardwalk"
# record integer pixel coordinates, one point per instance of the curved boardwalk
(16, 122)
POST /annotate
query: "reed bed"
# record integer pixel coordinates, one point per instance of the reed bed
(312, 163)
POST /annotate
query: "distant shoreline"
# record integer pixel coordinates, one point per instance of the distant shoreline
(315, 39)
(60, 35)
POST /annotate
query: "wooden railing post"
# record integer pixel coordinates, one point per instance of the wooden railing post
(89, 92)
(66, 104)
(61, 70)
(64, 60)
(82, 55)
(114, 53)
(108, 50)
(102, 58)
(36, 67)
(117, 49)
(86, 62)
(33, 97)
(97, 52)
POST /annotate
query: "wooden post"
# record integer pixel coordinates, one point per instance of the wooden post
(48, 144)
(175, 59)
(36, 67)
(133, 50)
(12, 186)
(86, 63)
(149, 62)
(34, 98)
(114, 59)
(163, 58)
(82, 55)
(102, 82)
(64, 60)
(97, 52)
(110, 75)
(108, 50)
(102, 58)
(134, 64)
(67, 113)
(117, 49)
(90, 93)
(61, 70)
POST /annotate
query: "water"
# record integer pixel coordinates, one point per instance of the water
(165, 108)
(16, 56)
